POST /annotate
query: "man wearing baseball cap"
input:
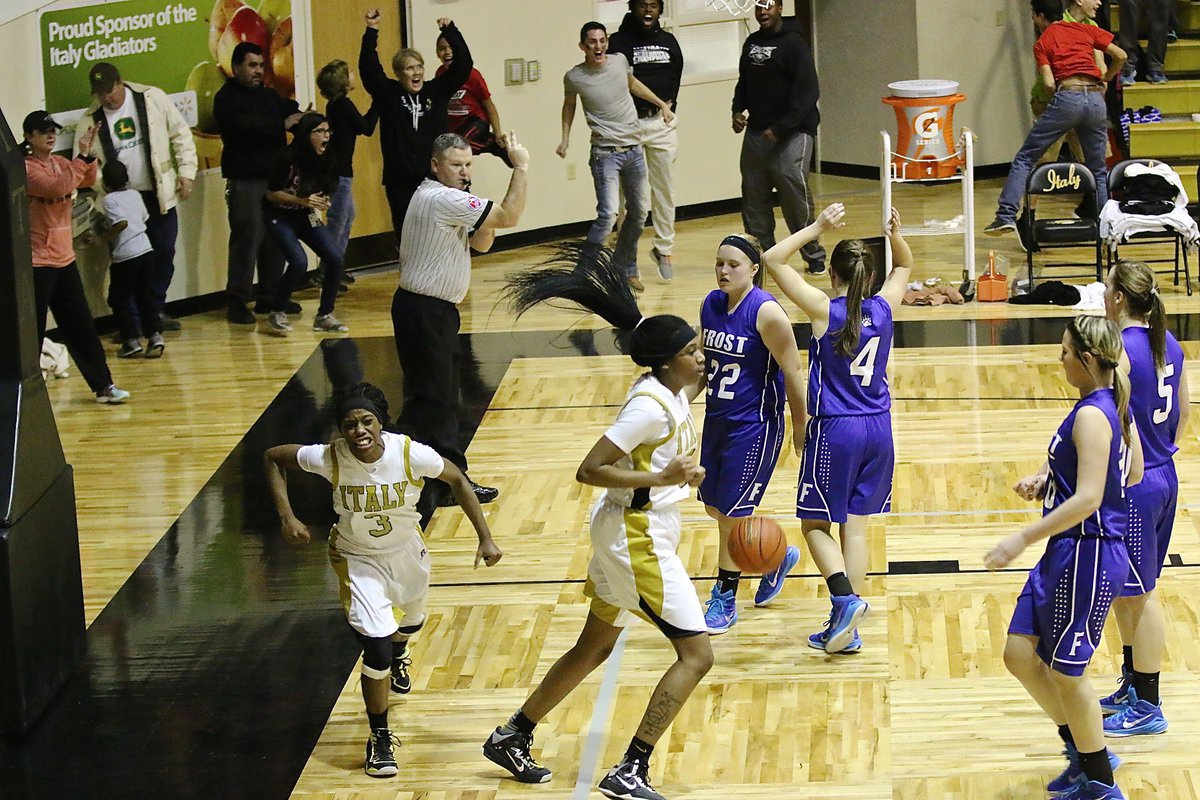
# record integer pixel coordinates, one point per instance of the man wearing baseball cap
(140, 126)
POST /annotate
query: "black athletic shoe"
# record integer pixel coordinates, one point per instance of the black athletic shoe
(484, 494)
(238, 314)
(628, 781)
(510, 749)
(168, 324)
(262, 307)
(401, 683)
(381, 761)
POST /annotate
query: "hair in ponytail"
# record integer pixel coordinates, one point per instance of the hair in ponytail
(1102, 338)
(1136, 281)
(851, 262)
(584, 276)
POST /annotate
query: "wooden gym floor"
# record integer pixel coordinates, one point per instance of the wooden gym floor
(219, 664)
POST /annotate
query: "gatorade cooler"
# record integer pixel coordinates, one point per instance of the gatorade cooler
(925, 149)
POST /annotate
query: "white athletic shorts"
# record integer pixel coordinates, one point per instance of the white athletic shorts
(635, 570)
(382, 592)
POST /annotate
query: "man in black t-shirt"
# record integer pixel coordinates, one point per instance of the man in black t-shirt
(657, 61)
(777, 85)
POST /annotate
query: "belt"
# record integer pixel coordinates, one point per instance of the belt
(613, 148)
(1082, 87)
(644, 113)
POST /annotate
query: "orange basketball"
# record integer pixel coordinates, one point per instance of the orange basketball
(758, 544)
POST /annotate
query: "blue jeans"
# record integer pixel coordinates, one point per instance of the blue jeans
(1082, 112)
(289, 229)
(340, 217)
(615, 172)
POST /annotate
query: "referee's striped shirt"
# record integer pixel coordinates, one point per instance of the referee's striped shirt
(434, 257)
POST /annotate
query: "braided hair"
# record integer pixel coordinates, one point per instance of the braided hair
(582, 275)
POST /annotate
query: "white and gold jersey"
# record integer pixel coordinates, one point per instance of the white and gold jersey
(376, 503)
(652, 427)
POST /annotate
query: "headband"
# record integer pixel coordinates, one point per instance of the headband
(741, 244)
(359, 402)
(654, 344)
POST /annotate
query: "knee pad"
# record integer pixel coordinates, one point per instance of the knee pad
(409, 630)
(377, 657)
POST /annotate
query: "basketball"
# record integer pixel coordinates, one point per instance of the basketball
(758, 544)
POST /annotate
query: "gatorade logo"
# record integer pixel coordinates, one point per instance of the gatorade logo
(927, 125)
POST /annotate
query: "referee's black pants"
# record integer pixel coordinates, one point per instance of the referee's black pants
(426, 331)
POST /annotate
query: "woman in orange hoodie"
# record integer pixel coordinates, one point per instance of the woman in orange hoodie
(51, 182)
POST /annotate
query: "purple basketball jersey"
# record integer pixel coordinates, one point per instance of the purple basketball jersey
(851, 387)
(744, 382)
(1154, 399)
(1109, 521)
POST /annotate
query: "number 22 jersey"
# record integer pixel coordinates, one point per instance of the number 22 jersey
(744, 381)
(851, 387)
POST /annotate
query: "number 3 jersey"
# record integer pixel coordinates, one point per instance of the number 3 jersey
(744, 381)
(1154, 394)
(855, 386)
(376, 503)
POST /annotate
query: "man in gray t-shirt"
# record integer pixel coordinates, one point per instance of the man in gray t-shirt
(604, 83)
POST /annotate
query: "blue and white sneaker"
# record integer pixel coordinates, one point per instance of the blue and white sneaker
(1137, 718)
(721, 614)
(771, 585)
(1093, 790)
(817, 642)
(1118, 699)
(847, 611)
(1072, 777)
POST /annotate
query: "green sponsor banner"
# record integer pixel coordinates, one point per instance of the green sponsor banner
(149, 41)
(184, 47)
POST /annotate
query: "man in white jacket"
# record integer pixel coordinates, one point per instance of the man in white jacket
(141, 127)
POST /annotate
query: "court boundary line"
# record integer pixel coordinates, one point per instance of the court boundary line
(589, 757)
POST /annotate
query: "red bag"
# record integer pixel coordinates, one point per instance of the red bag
(993, 286)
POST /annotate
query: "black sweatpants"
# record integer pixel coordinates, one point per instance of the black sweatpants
(59, 289)
(131, 284)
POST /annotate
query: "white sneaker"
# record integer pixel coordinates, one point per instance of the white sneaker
(276, 324)
(663, 260)
(328, 323)
(112, 396)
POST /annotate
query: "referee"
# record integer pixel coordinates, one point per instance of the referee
(443, 221)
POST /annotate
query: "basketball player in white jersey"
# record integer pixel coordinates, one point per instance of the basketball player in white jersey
(376, 547)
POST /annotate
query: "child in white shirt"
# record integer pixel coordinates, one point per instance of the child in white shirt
(132, 271)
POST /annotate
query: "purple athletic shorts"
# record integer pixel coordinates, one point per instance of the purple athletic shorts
(847, 467)
(1066, 599)
(1151, 516)
(738, 459)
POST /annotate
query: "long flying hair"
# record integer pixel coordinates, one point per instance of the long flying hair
(1102, 338)
(582, 276)
(1136, 281)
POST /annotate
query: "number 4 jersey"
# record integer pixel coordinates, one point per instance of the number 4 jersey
(744, 382)
(851, 387)
(376, 503)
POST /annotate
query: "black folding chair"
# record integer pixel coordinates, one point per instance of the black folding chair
(1160, 235)
(1061, 232)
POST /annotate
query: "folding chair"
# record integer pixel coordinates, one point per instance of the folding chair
(1061, 232)
(1161, 235)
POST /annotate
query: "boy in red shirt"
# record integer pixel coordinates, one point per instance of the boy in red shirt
(1067, 66)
